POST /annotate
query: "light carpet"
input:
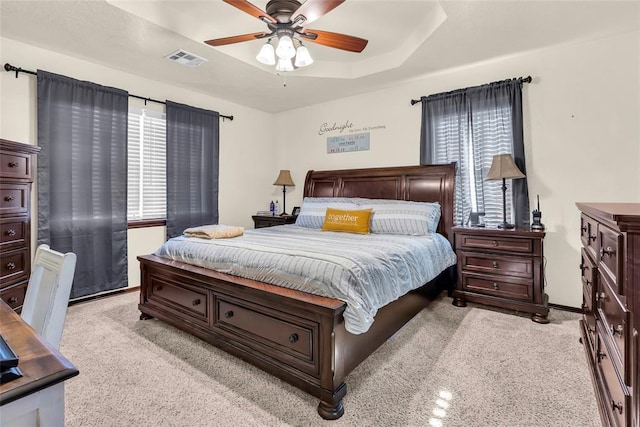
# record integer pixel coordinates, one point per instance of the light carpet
(448, 367)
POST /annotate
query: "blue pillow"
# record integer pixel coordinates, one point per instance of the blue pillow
(402, 217)
(314, 209)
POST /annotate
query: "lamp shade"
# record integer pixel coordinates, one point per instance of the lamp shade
(284, 178)
(285, 49)
(303, 57)
(503, 166)
(267, 55)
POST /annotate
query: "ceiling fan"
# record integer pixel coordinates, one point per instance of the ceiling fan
(286, 20)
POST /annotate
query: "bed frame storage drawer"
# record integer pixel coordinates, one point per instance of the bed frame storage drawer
(284, 337)
(184, 300)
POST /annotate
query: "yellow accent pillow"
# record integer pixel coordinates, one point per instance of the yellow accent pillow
(351, 221)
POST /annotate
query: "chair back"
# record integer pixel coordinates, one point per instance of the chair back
(47, 297)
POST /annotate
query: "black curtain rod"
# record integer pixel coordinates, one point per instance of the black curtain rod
(520, 80)
(9, 67)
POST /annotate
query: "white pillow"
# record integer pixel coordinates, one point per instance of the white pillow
(402, 217)
(314, 209)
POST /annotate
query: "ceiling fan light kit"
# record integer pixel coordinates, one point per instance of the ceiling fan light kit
(285, 19)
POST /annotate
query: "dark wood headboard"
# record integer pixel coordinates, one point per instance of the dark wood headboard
(428, 183)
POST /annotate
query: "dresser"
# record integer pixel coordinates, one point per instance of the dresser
(501, 268)
(610, 272)
(16, 177)
(261, 221)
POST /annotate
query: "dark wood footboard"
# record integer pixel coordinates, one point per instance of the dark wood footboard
(293, 335)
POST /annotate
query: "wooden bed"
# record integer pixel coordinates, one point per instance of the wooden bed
(293, 335)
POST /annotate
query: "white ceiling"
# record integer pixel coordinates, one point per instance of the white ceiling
(406, 39)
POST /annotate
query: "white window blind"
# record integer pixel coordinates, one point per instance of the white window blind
(471, 138)
(147, 179)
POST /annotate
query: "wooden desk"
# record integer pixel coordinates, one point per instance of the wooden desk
(37, 398)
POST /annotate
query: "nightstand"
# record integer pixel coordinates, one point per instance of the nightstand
(502, 268)
(261, 221)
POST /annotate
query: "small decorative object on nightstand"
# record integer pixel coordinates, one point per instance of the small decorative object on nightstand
(502, 268)
(261, 221)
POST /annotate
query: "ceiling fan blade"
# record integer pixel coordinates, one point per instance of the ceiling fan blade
(252, 10)
(235, 39)
(314, 9)
(336, 40)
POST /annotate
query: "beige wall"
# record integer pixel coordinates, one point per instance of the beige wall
(581, 135)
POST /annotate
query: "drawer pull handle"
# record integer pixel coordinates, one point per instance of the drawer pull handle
(587, 282)
(601, 355)
(594, 237)
(9, 198)
(494, 243)
(13, 164)
(495, 264)
(228, 314)
(159, 288)
(11, 266)
(10, 232)
(583, 229)
(293, 338)
(196, 302)
(495, 286)
(13, 300)
(608, 252)
(617, 330)
(617, 406)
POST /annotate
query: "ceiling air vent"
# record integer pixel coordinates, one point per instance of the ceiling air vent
(186, 58)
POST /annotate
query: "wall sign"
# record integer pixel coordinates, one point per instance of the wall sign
(346, 143)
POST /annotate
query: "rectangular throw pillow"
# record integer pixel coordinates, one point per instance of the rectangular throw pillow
(313, 209)
(402, 217)
(350, 221)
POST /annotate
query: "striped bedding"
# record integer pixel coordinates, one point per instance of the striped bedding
(365, 271)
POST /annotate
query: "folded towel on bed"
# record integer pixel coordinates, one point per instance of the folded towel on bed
(214, 231)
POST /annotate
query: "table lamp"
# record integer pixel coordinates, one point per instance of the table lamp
(284, 179)
(503, 167)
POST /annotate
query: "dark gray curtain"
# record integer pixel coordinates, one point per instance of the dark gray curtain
(469, 126)
(82, 178)
(193, 139)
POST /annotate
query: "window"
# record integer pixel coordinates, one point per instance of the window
(147, 179)
(469, 127)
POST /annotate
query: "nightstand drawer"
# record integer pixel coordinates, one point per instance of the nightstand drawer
(520, 290)
(497, 265)
(497, 244)
(15, 165)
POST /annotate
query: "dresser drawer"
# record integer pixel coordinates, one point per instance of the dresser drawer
(15, 165)
(14, 199)
(286, 338)
(497, 244)
(498, 286)
(14, 295)
(589, 235)
(497, 265)
(14, 265)
(616, 320)
(189, 302)
(13, 232)
(609, 256)
(617, 401)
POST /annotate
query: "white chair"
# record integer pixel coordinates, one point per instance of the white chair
(47, 297)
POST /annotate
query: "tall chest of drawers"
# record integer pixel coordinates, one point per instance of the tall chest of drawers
(16, 178)
(610, 271)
